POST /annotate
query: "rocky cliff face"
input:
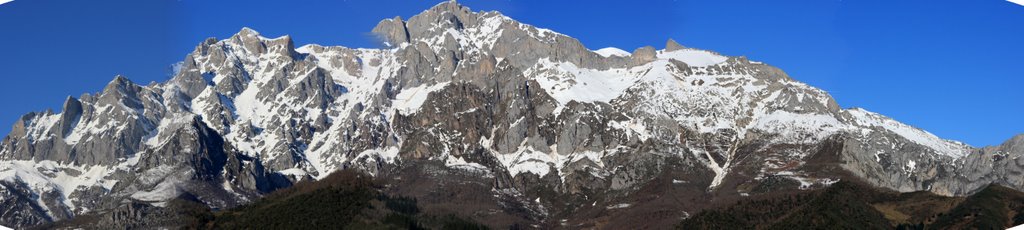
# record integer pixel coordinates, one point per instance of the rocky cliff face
(473, 103)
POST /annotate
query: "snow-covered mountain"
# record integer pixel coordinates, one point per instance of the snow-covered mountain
(551, 131)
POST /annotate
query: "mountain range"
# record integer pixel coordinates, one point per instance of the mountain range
(477, 115)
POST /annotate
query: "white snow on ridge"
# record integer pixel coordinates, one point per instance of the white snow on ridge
(864, 118)
(566, 82)
(693, 57)
(798, 127)
(612, 51)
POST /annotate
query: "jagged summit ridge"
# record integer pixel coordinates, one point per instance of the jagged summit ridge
(524, 108)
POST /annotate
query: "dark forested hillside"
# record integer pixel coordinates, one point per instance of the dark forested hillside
(346, 199)
(854, 205)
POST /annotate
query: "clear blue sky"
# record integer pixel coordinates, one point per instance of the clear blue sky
(951, 67)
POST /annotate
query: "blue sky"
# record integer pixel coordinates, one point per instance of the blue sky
(950, 67)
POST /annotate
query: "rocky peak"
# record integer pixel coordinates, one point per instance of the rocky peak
(456, 12)
(1014, 145)
(250, 40)
(392, 31)
(1019, 138)
(644, 55)
(119, 80)
(453, 28)
(21, 126)
(283, 46)
(70, 114)
(672, 45)
(119, 85)
(253, 42)
(448, 6)
(204, 47)
(247, 32)
(436, 20)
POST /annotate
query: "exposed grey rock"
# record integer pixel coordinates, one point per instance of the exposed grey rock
(643, 55)
(392, 31)
(70, 115)
(19, 207)
(671, 45)
(533, 123)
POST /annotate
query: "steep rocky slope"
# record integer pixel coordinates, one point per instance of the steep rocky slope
(521, 124)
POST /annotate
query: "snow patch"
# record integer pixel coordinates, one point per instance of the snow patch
(612, 51)
(166, 190)
(618, 206)
(693, 57)
(408, 101)
(566, 82)
(294, 172)
(799, 127)
(459, 163)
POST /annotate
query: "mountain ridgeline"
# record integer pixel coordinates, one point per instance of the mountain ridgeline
(481, 120)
